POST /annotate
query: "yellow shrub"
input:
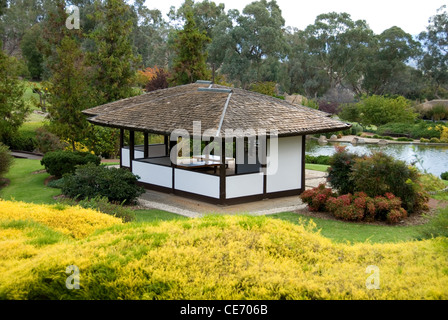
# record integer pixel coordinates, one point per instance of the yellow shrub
(230, 257)
(74, 221)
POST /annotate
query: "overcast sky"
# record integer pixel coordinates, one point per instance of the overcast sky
(410, 15)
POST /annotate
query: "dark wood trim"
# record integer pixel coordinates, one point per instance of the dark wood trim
(259, 197)
(131, 148)
(172, 144)
(265, 166)
(239, 200)
(145, 145)
(303, 162)
(166, 141)
(222, 173)
(121, 147)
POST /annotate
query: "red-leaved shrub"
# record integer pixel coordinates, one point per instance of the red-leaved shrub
(356, 207)
(317, 198)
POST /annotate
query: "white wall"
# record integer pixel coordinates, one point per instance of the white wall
(125, 156)
(244, 185)
(288, 175)
(155, 150)
(199, 183)
(153, 174)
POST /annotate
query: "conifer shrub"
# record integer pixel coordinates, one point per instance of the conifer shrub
(59, 163)
(90, 181)
(5, 159)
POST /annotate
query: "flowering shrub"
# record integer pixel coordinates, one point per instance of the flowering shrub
(357, 207)
(377, 175)
(316, 198)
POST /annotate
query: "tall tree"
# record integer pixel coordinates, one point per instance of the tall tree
(342, 46)
(392, 50)
(19, 16)
(70, 93)
(257, 38)
(13, 109)
(113, 59)
(305, 73)
(30, 51)
(190, 62)
(434, 61)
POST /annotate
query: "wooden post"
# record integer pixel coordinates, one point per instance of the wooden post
(145, 147)
(121, 147)
(166, 141)
(131, 148)
(222, 172)
(303, 162)
(264, 164)
(172, 144)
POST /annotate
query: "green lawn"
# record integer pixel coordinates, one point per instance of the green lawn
(355, 232)
(149, 216)
(316, 167)
(28, 187)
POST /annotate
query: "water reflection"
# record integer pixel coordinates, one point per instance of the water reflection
(434, 158)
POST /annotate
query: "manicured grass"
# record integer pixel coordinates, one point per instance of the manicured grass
(27, 186)
(149, 216)
(316, 167)
(340, 231)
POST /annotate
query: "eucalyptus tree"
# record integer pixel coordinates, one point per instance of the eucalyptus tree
(255, 40)
(392, 50)
(305, 72)
(342, 46)
(434, 60)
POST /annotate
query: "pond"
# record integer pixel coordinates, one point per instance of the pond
(434, 159)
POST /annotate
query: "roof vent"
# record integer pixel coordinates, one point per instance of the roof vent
(203, 82)
(220, 90)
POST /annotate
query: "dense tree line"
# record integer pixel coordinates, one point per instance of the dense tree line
(254, 45)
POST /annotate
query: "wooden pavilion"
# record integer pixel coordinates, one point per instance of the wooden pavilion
(272, 129)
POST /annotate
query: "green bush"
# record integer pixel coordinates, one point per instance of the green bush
(431, 183)
(5, 159)
(356, 129)
(57, 184)
(423, 140)
(339, 171)
(90, 181)
(380, 174)
(444, 175)
(379, 110)
(58, 163)
(103, 205)
(325, 160)
(434, 140)
(404, 139)
(417, 130)
(47, 141)
(437, 226)
(21, 142)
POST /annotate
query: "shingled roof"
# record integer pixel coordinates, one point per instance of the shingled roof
(217, 107)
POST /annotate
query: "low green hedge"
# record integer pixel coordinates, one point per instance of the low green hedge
(59, 163)
(90, 181)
